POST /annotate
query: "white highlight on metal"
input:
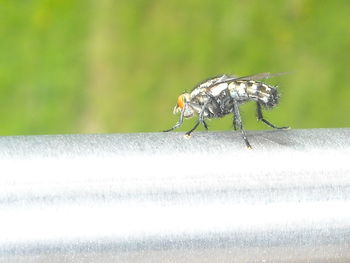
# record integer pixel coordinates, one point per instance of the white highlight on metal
(40, 222)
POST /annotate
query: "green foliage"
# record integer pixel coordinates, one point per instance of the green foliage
(118, 66)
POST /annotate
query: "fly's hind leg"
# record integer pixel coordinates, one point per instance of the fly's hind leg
(238, 121)
(234, 124)
(261, 118)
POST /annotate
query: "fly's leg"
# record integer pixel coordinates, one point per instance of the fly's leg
(238, 121)
(261, 118)
(205, 125)
(224, 101)
(179, 123)
(200, 119)
(195, 127)
(222, 106)
(234, 124)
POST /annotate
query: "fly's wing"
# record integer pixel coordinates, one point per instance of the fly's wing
(265, 75)
(259, 76)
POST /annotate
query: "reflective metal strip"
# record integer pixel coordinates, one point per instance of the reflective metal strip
(159, 197)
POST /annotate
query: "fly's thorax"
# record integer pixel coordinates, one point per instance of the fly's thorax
(267, 95)
(213, 87)
(199, 91)
(217, 90)
(210, 82)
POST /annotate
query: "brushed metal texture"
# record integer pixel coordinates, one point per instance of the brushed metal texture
(159, 197)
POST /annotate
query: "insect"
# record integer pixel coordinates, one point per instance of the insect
(222, 95)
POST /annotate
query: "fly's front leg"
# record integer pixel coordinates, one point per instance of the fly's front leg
(180, 121)
(261, 118)
(238, 121)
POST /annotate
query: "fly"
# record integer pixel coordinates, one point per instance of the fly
(222, 95)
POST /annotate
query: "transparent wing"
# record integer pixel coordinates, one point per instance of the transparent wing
(259, 76)
(265, 75)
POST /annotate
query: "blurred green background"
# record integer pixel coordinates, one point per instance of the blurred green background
(104, 66)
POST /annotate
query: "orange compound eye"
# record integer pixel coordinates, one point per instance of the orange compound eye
(180, 101)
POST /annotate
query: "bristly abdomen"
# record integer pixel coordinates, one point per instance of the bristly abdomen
(244, 91)
(267, 95)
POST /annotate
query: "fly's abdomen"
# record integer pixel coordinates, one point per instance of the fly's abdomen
(267, 95)
(253, 90)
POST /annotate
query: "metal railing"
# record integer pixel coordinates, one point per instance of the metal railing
(159, 197)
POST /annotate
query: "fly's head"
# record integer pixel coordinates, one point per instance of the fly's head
(183, 105)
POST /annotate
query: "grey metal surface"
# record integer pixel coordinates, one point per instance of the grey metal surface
(158, 197)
